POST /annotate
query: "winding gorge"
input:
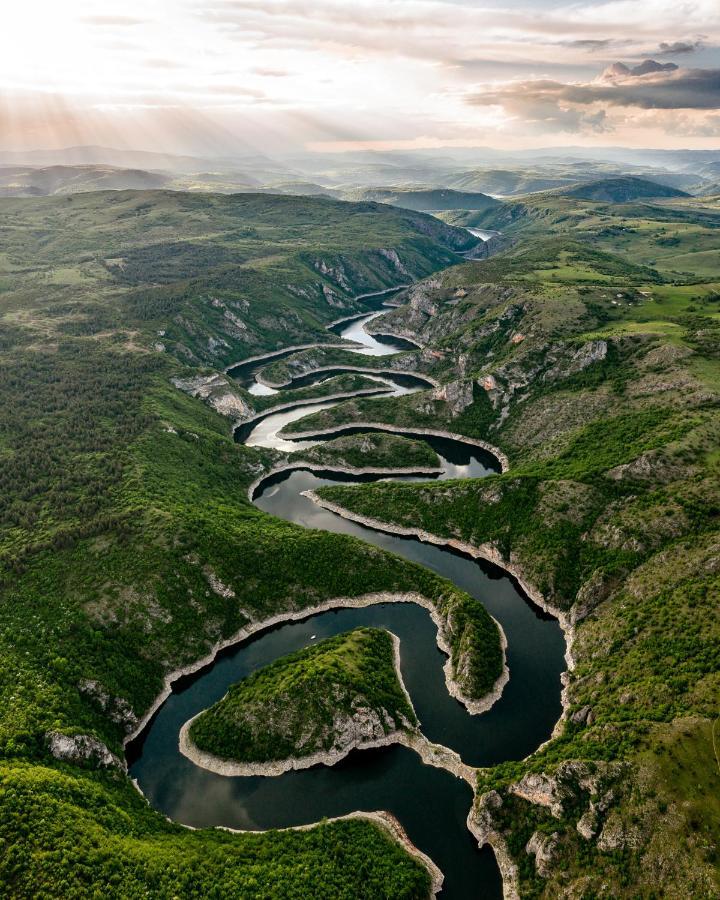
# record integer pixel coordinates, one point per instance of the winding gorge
(431, 803)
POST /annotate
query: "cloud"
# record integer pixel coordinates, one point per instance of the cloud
(646, 87)
(266, 72)
(112, 21)
(676, 47)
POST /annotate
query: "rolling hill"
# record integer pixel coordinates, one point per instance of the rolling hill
(38, 181)
(623, 190)
(429, 200)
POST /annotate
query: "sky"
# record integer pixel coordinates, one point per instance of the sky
(219, 77)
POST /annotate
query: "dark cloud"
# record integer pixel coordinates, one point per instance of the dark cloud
(671, 49)
(660, 88)
(649, 66)
(592, 44)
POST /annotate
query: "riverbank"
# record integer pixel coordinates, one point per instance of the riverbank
(490, 554)
(432, 754)
(382, 426)
(297, 615)
(360, 370)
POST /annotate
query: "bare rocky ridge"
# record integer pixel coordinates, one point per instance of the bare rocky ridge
(219, 392)
(82, 748)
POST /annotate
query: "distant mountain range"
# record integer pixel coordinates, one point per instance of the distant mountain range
(29, 181)
(423, 180)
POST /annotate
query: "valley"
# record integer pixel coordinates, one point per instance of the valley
(139, 538)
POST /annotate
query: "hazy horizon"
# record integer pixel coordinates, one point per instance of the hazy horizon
(217, 77)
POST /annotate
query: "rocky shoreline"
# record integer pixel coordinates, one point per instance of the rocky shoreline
(345, 470)
(482, 831)
(296, 615)
(483, 551)
(383, 426)
(360, 370)
(295, 348)
(431, 754)
(270, 354)
(309, 401)
(386, 821)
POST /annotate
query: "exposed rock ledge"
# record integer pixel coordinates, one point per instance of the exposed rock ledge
(78, 748)
(431, 754)
(218, 392)
(481, 826)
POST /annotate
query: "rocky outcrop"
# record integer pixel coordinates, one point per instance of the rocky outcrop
(334, 273)
(219, 393)
(117, 708)
(82, 748)
(544, 848)
(571, 781)
(540, 790)
(392, 257)
(549, 363)
(457, 394)
(589, 353)
(615, 835)
(481, 823)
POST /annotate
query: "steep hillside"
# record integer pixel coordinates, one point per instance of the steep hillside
(191, 267)
(602, 383)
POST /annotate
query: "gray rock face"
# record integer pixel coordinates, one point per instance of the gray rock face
(589, 353)
(79, 748)
(541, 790)
(457, 394)
(551, 362)
(587, 824)
(483, 819)
(583, 716)
(566, 785)
(219, 393)
(544, 848)
(117, 708)
(336, 273)
(616, 836)
(392, 257)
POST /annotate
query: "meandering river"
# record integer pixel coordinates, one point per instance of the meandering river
(431, 804)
